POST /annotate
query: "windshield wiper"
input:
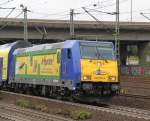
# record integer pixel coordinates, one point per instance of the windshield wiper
(99, 56)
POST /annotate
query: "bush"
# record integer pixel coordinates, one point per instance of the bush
(82, 115)
(30, 105)
(77, 115)
(25, 104)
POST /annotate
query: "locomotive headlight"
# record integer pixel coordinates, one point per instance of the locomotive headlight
(86, 77)
(112, 78)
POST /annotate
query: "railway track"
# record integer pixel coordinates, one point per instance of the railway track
(4, 119)
(135, 87)
(135, 96)
(13, 113)
(119, 110)
(138, 113)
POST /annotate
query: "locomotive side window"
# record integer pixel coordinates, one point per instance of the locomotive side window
(69, 53)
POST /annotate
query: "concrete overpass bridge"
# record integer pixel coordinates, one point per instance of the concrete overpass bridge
(12, 29)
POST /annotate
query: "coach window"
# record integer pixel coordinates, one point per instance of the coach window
(69, 53)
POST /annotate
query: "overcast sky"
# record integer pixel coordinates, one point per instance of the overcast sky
(59, 9)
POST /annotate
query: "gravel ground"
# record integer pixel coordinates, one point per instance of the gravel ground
(4, 119)
(134, 85)
(131, 102)
(54, 107)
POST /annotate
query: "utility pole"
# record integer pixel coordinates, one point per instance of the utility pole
(117, 42)
(131, 10)
(25, 10)
(72, 23)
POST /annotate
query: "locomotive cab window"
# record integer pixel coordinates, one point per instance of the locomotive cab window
(68, 53)
(97, 52)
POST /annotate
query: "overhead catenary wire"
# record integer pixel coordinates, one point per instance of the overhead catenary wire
(112, 4)
(12, 9)
(51, 14)
(7, 8)
(6, 2)
(19, 14)
(62, 13)
(104, 1)
(100, 22)
(9, 13)
(6, 23)
(110, 13)
(135, 11)
(121, 13)
(143, 13)
(145, 16)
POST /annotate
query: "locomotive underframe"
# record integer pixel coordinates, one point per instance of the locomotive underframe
(60, 91)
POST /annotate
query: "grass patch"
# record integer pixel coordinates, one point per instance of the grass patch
(28, 104)
(76, 115)
(24, 104)
(80, 115)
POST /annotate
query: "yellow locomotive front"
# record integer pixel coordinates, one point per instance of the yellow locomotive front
(99, 68)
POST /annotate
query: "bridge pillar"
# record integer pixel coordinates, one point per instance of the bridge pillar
(123, 54)
(144, 53)
(135, 59)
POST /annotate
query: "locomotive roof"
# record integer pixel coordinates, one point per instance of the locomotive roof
(17, 43)
(66, 44)
(6, 45)
(96, 43)
(45, 46)
(39, 47)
